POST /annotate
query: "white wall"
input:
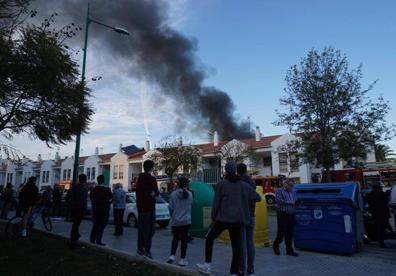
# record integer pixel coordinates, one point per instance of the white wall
(27, 171)
(46, 166)
(303, 172)
(92, 162)
(120, 159)
(67, 164)
(11, 171)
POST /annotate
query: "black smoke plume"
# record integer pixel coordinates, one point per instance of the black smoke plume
(163, 56)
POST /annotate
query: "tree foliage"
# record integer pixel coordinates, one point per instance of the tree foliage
(383, 152)
(326, 106)
(41, 93)
(172, 154)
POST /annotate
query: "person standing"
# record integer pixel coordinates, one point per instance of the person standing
(230, 212)
(248, 247)
(119, 202)
(8, 199)
(57, 201)
(378, 206)
(78, 207)
(286, 201)
(28, 197)
(180, 204)
(101, 199)
(146, 191)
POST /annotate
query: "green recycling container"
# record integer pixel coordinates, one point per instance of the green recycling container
(201, 209)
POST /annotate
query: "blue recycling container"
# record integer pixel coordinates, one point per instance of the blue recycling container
(329, 218)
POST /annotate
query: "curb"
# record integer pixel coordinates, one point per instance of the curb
(131, 257)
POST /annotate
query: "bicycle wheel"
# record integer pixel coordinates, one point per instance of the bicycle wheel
(13, 228)
(47, 221)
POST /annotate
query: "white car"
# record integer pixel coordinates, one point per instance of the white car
(131, 213)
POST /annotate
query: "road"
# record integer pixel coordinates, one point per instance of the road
(371, 261)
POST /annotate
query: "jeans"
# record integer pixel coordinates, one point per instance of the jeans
(100, 219)
(285, 230)
(235, 232)
(75, 235)
(146, 229)
(248, 248)
(118, 221)
(180, 233)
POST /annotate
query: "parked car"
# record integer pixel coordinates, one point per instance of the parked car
(165, 196)
(131, 212)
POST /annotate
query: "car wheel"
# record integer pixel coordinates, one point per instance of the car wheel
(163, 223)
(132, 221)
(270, 200)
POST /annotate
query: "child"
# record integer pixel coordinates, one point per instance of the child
(180, 207)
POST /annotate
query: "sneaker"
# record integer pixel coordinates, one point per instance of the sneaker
(183, 262)
(250, 272)
(23, 233)
(292, 254)
(148, 256)
(276, 250)
(204, 268)
(171, 259)
(139, 253)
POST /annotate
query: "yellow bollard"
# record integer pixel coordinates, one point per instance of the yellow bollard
(261, 233)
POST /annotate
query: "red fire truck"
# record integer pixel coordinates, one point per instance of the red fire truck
(269, 184)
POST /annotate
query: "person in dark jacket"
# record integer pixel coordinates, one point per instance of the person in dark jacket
(28, 197)
(78, 207)
(8, 199)
(146, 191)
(119, 202)
(378, 206)
(101, 199)
(230, 212)
(248, 248)
(57, 201)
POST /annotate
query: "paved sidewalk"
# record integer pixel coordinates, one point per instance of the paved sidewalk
(372, 261)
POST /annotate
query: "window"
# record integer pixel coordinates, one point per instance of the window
(9, 177)
(43, 177)
(115, 172)
(68, 174)
(93, 173)
(64, 175)
(88, 173)
(267, 161)
(282, 162)
(294, 164)
(121, 172)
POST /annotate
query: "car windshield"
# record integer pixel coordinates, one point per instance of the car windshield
(159, 199)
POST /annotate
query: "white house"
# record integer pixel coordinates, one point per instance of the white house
(67, 169)
(46, 174)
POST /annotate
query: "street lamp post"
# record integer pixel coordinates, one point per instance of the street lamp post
(119, 30)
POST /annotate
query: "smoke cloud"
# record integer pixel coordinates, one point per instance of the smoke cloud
(158, 54)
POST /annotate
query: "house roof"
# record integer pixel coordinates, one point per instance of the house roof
(137, 154)
(264, 142)
(129, 150)
(106, 157)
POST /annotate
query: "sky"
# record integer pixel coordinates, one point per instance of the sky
(246, 48)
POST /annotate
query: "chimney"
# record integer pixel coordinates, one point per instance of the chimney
(180, 141)
(96, 151)
(120, 148)
(258, 134)
(57, 156)
(39, 159)
(147, 146)
(215, 139)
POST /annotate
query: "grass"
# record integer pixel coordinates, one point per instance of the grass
(42, 254)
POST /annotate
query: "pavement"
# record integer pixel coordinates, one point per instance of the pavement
(371, 261)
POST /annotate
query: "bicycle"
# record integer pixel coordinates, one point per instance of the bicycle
(14, 225)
